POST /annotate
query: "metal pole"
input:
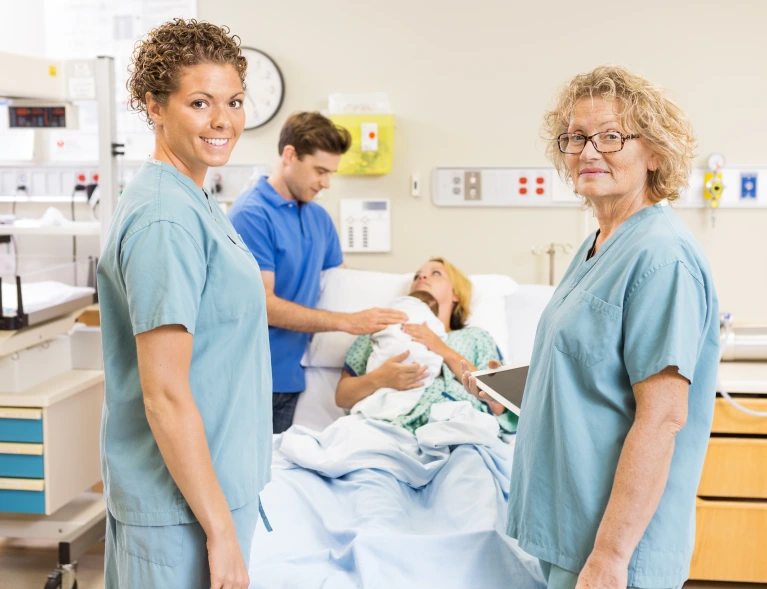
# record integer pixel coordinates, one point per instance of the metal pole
(105, 95)
(552, 254)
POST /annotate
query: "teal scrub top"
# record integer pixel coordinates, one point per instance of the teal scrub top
(172, 257)
(646, 301)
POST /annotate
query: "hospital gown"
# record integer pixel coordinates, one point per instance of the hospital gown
(473, 343)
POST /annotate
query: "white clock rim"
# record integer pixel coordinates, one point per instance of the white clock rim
(256, 125)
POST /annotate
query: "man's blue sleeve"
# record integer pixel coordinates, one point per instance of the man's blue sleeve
(256, 232)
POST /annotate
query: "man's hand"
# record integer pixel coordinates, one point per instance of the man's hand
(371, 321)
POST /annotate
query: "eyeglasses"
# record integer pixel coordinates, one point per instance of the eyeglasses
(605, 142)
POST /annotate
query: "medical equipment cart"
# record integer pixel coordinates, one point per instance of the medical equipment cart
(49, 446)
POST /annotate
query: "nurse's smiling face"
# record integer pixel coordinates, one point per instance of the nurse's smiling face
(601, 177)
(201, 121)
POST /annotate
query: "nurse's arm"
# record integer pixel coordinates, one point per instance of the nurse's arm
(643, 467)
(295, 317)
(164, 358)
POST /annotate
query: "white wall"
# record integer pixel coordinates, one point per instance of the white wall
(21, 27)
(469, 82)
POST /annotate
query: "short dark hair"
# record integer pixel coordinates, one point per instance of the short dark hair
(309, 132)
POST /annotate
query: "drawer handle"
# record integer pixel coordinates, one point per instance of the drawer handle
(22, 485)
(21, 449)
(21, 413)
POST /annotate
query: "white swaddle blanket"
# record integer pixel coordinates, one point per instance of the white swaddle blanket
(387, 403)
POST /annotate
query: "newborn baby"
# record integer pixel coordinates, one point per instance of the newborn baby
(420, 307)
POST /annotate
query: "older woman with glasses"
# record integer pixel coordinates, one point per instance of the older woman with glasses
(620, 395)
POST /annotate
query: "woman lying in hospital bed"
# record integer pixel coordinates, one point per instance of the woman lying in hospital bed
(403, 389)
(417, 499)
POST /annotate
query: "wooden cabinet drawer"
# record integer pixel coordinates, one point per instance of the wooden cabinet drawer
(730, 541)
(728, 420)
(735, 467)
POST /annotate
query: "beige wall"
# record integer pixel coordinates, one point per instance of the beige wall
(469, 81)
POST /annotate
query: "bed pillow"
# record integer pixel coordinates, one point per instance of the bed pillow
(349, 291)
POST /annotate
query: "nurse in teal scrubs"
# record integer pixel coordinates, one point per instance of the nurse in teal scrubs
(186, 428)
(619, 400)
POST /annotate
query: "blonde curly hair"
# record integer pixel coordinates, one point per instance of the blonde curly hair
(157, 60)
(643, 109)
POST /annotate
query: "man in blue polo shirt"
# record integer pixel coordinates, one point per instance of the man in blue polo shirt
(293, 239)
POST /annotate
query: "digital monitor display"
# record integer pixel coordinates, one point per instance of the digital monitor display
(37, 117)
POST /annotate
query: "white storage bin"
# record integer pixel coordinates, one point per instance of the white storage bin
(86, 348)
(27, 368)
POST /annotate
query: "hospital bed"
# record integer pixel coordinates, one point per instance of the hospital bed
(359, 503)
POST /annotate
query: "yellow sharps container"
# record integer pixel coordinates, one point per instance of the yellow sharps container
(372, 143)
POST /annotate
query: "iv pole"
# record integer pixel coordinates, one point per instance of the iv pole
(552, 252)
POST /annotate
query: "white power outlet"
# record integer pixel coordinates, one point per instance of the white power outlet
(496, 187)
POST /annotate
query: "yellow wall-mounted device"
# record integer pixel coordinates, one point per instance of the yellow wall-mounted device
(713, 188)
(372, 147)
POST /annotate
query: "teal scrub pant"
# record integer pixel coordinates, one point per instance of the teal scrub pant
(557, 578)
(167, 557)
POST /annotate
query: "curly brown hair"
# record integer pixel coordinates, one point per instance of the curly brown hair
(157, 60)
(645, 109)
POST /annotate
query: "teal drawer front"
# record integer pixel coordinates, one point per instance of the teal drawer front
(12, 501)
(21, 430)
(21, 466)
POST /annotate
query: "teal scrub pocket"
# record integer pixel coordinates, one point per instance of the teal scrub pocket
(163, 545)
(587, 331)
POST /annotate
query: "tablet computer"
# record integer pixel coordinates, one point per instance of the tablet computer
(505, 385)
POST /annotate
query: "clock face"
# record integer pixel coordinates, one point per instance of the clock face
(264, 89)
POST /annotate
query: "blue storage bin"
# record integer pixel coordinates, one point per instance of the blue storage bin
(21, 466)
(14, 501)
(21, 430)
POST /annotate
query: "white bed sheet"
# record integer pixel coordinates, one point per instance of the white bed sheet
(316, 408)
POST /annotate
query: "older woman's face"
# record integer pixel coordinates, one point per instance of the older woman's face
(599, 176)
(432, 277)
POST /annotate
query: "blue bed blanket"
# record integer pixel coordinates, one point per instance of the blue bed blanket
(368, 504)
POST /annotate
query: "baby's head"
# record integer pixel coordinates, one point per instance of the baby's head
(427, 298)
